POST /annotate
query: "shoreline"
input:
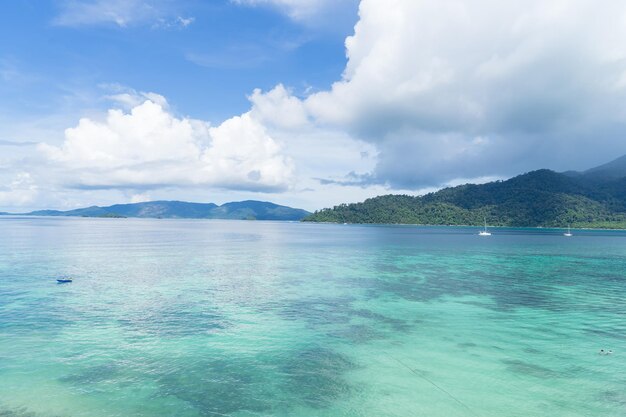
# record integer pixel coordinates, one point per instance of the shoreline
(466, 225)
(10, 215)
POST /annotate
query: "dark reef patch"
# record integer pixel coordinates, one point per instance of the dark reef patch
(395, 324)
(43, 315)
(93, 375)
(19, 412)
(220, 386)
(520, 367)
(316, 376)
(319, 311)
(616, 333)
(313, 377)
(514, 285)
(337, 317)
(614, 397)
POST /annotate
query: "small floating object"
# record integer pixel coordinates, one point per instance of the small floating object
(64, 280)
(484, 232)
(606, 352)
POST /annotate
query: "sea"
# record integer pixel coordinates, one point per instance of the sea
(198, 318)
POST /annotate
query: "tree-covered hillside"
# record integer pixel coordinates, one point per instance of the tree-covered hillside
(241, 210)
(539, 198)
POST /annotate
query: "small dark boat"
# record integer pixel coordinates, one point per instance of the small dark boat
(64, 280)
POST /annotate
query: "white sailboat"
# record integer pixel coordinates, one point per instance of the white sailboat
(568, 233)
(484, 232)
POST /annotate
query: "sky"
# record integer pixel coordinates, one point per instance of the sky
(307, 103)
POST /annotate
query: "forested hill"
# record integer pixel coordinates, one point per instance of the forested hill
(246, 210)
(539, 198)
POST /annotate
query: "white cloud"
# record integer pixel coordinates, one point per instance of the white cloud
(279, 108)
(185, 21)
(140, 198)
(129, 98)
(296, 9)
(178, 22)
(243, 155)
(150, 148)
(457, 89)
(122, 13)
(21, 190)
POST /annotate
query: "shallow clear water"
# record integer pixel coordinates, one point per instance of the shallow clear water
(213, 318)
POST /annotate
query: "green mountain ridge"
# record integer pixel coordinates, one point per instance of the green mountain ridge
(614, 169)
(241, 210)
(542, 198)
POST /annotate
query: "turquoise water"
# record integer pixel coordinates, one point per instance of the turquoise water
(232, 318)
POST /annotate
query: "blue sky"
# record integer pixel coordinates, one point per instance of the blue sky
(206, 68)
(308, 103)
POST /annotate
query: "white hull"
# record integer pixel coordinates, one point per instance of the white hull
(484, 232)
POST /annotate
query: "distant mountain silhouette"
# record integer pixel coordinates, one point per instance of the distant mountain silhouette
(594, 198)
(250, 210)
(614, 169)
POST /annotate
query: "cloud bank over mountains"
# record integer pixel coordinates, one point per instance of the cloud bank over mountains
(432, 93)
(454, 89)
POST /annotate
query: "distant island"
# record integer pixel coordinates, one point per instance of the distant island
(595, 198)
(241, 210)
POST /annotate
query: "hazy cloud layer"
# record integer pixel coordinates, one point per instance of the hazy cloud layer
(19, 190)
(298, 9)
(16, 143)
(122, 13)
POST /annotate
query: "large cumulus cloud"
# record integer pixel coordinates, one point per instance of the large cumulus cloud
(149, 147)
(449, 89)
